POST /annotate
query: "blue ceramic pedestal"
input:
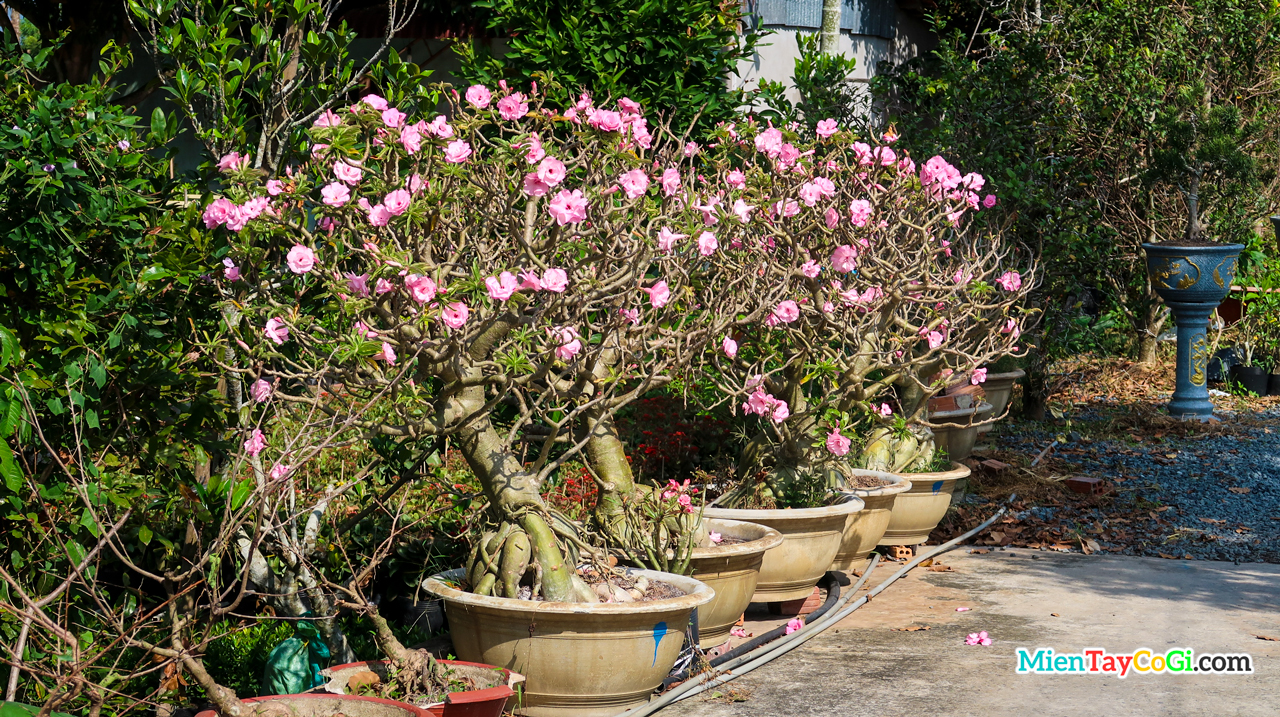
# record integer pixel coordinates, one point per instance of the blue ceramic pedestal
(1192, 280)
(1191, 396)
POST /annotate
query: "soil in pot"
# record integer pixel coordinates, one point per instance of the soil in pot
(325, 705)
(1250, 378)
(474, 690)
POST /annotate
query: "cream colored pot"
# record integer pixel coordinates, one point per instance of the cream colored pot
(863, 529)
(917, 510)
(578, 659)
(732, 571)
(811, 539)
(999, 389)
(958, 437)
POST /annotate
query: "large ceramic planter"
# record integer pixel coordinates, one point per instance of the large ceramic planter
(316, 705)
(864, 529)
(811, 539)
(578, 659)
(917, 510)
(959, 431)
(495, 687)
(1192, 280)
(732, 571)
(999, 389)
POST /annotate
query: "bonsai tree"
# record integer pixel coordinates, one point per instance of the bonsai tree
(504, 278)
(888, 293)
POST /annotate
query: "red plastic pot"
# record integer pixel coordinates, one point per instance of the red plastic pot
(328, 705)
(487, 702)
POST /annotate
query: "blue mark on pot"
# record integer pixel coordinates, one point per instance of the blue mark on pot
(659, 632)
(937, 487)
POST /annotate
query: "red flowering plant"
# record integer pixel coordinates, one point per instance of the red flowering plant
(889, 286)
(508, 277)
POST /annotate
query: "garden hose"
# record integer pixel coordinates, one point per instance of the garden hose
(771, 651)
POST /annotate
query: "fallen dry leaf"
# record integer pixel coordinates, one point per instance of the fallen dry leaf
(1214, 521)
(1238, 490)
(1054, 614)
(912, 628)
(979, 551)
(1166, 556)
(1269, 639)
(926, 562)
(1090, 545)
(940, 569)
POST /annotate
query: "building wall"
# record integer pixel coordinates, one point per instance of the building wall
(872, 31)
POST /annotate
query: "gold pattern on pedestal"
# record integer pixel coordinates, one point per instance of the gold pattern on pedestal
(1199, 359)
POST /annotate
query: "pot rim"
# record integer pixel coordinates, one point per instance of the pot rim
(900, 484)
(974, 410)
(958, 471)
(852, 504)
(411, 709)
(696, 593)
(1216, 249)
(771, 539)
(1014, 375)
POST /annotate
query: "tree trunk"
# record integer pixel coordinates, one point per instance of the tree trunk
(829, 41)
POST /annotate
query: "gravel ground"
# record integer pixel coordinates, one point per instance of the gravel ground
(1222, 492)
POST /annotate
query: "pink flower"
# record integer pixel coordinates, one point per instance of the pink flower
(885, 410)
(810, 269)
(606, 120)
(533, 186)
(729, 346)
(455, 315)
(396, 202)
(392, 117)
(375, 102)
(826, 128)
(1010, 281)
(346, 173)
(961, 277)
(906, 166)
(890, 136)
(659, 294)
(260, 390)
(787, 208)
(837, 443)
(640, 133)
(274, 187)
(335, 194)
(217, 212)
(828, 307)
(230, 271)
(794, 624)
(280, 470)
(989, 201)
(787, 311)
(379, 215)
(317, 150)
(631, 315)
(530, 281)
(513, 106)
(232, 162)
(439, 127)
(555, 280)
(568, 207)
(844, 258)
(457, 152)
(634, 183)
(551, 171)
(667, 239)
(935, 339)
(886, 156)
(963, 609)
(781, 412)
(759, 403)
(535, 151)
(327, 119)
(421, 288)
(414, 183)
(569, 343)
(388, 354)
(938, 171)
(788, 155)
(979, 376)
(411, 138)
(743, 210)
(860, 212)
(276, 331)
(362, 330)
(736, 179)
(256, 443)
(770, 142)
(1011, 328)
(832, 217)
(810, 194)
(978, 638)
(670, 181)
(707, 243)
(626, 104)
(383, 286)
(708, 210)
(691, 149)
(301, 259)
(862, 151)
(502, 286)
(253, 208)
(479, 96)
(738, 632)
(714, 537)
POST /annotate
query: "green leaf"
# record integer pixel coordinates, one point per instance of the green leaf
(9, 469)
(144, 535)
(157, 122)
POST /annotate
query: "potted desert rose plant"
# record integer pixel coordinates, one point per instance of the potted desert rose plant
(890, 286)
(505, 278)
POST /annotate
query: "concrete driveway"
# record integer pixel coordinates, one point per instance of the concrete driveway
(863, 666)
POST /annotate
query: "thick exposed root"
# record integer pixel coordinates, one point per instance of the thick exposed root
(527, 553)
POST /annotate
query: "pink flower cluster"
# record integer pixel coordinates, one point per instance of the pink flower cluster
(978, 638)
(223, 211)
(681, 493)
(761, 403)
(506, 284)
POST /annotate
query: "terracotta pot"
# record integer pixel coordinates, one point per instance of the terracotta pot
(917, 510)
(999, 390)
(732, 571)
(327, 705)
(863, 529)
(578, 659)
(958, 438)
(497, 687)
(811, 539)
